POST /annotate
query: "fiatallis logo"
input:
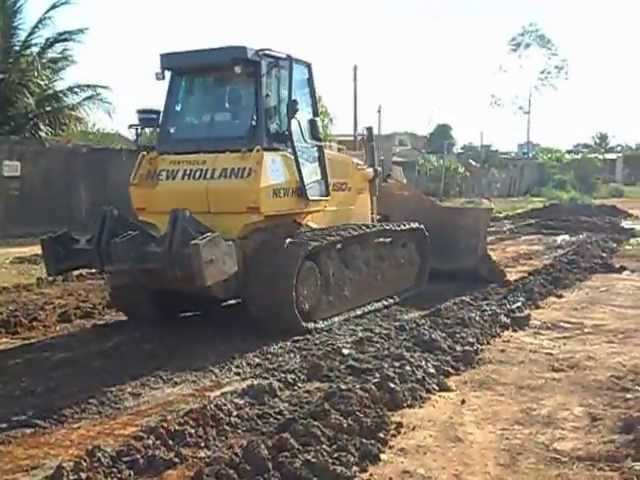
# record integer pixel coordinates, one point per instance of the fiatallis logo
(198, 174)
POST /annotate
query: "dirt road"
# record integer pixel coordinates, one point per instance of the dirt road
(112, 400)
(559, 401)
(548, 403)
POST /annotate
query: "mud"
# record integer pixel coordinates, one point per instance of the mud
(115, 367)
(316, 406)
(29, 310)
(320, 405)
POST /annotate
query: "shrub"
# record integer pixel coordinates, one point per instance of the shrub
(612, 190)
(568, 180)
(615, 191)
(585, 172)
(564, 196)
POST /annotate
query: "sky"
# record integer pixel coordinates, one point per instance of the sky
(424, 61)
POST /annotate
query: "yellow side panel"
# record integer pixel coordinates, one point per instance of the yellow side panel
(280, 190)
(237, 189)
(202, 183)
(234, 193)
(350, 199)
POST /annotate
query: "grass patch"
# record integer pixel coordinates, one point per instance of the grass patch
(564, 195)
(615, 190)
(510, 206)
(466, 202)
(631, 191)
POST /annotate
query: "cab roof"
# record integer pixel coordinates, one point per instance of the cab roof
(195, 59)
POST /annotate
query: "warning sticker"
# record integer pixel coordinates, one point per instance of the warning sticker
(11, 169)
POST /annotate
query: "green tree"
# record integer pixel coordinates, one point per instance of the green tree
(326, 120)
(441, 139)
(533, 65)
(601, 142)
(34, 100)
(565, 178)
(94, 135)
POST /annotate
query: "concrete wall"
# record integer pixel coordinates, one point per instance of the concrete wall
(516, 179)
(630, 169)
(60, 186)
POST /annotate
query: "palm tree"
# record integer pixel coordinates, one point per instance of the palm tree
(34, 99)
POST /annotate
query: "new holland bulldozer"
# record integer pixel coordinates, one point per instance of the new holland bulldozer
(240, 200)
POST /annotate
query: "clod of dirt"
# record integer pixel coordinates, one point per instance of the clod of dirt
(521, 320)
(629, 425)
(262, 392)
(256, 456)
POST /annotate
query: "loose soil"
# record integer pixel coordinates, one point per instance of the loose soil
(35, 311)
(561, 400)
(217, 400)
(20, 264)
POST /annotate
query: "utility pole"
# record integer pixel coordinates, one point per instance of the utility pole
(481, 147)
(529, 126)
(355, 107)
(379, 142)
(444, 160)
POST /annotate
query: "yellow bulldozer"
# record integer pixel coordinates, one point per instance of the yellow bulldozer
(240, 200)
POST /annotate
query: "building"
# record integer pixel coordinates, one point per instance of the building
(528, 147)
(399, 148)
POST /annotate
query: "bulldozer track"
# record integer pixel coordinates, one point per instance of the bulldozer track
(321, 276)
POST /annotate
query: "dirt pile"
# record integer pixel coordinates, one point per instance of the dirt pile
(319, 405)
(35, 309)
(571, 219)
(559, 210)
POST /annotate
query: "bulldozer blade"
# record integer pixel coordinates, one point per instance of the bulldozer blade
(188, 253)
(64, 251)
(458, 234)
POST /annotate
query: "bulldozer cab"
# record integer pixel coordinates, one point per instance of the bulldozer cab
(238, 99)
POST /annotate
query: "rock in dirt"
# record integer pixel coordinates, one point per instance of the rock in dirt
(520, 321)
(629, 424)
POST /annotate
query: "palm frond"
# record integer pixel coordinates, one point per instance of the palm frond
(34, 100)
(32, 38)
(60, 42)
(11, 28)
